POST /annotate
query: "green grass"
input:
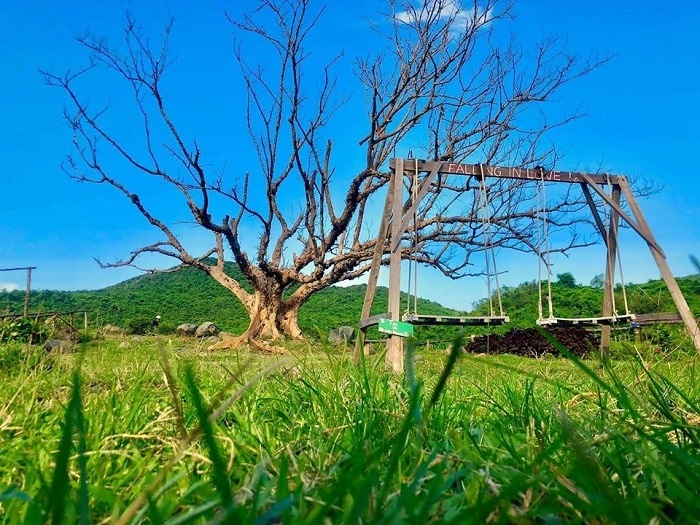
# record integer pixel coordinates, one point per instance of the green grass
(166, 432)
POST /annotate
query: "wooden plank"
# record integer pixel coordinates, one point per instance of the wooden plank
(455, 320)
(509, 172)
(587, 321)
(659, 317)
(373, 320)
(594, 211)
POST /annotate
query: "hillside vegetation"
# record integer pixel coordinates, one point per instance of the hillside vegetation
(189, 296)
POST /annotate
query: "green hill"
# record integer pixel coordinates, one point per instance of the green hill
(187, 295)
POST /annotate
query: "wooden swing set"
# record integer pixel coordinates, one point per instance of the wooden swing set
(399, 215)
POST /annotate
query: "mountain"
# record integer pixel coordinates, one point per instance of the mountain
(189, 296)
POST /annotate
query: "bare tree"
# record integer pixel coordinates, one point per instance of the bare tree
(443, 78)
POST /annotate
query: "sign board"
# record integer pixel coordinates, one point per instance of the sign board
(399, 328)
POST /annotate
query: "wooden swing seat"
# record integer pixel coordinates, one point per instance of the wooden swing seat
(455, 320)
(587, 321)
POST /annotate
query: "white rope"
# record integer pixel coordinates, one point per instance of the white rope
(622, 283)
(489, 248)
(412, 293)
(414, 198)
(540, 240)
(483, 201)
(547, 247)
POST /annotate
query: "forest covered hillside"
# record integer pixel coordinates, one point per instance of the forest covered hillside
(189, 296)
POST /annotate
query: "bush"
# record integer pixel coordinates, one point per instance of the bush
(23, 331)
(138, 325)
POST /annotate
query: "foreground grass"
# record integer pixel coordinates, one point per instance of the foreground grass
(166, 433)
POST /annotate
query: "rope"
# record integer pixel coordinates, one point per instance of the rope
(413, 263)
(488, 247)
(540, 313)
(548, 262)
(483, 199)
(414, 198)
(622, 283)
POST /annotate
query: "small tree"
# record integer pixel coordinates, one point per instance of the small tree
(566, 279)
(598, 281)
(440, 77)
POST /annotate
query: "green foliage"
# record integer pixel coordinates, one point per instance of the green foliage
(140, 325)
(23, 330)
(566, 280)
(598, 281)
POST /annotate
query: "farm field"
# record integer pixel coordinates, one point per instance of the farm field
(167, 432)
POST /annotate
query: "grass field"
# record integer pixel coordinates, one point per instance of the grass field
(166, 432)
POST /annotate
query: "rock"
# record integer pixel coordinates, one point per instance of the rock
(207, 329)
(124, 344)
(341, 335)
(57, 345)
(186, 329)
(111, 329)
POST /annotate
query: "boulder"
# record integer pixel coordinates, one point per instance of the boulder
(57, 345)
(207, 329)
(186, 329)
(341, 335)
(113, 330)
(124, 344)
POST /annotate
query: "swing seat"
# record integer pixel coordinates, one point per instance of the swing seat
(587, 321)
(455, 320)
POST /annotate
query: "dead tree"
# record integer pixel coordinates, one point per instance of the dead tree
(439, 78)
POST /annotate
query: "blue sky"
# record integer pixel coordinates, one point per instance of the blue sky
(641, 110)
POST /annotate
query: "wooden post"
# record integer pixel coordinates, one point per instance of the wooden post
(374, 270)
(676, 294)
(27, 292)
(394, 352)
(609, 290)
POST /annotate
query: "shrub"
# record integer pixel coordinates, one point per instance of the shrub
(23, 330)
(138, 325)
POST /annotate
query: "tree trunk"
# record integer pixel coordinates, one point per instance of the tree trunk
(272, 318)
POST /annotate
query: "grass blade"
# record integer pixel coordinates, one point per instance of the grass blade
(220, 476)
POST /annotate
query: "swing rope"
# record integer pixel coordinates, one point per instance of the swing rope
(543, 236)
(489, 251)
(622, 277)
(413, 262)
(622, 283)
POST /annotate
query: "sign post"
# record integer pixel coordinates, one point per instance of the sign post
(398, 328)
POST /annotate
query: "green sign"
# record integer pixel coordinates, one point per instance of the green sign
(399, 328)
